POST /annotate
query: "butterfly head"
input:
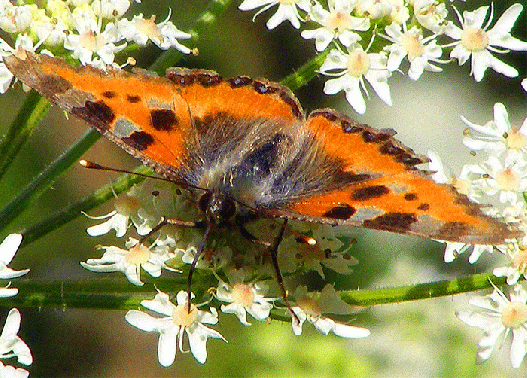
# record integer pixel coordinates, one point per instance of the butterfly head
(217, 206)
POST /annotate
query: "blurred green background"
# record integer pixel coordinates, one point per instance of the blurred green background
(408, 340)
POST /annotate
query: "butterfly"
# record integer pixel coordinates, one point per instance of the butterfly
(245, 148)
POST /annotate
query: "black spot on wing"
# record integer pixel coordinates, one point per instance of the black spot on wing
(163, 119)
(375, 137)
(340, 212)
(397, 222)
(139, 140)
(208, 79)
(133, 99)
(410, 196)
(239, 81)
(96, 113)
(369, 192)
(423, 207)
(183, 79)
(264, 88)
(109, 94)
(400, 154)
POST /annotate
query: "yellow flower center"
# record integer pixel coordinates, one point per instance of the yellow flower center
(507, 179)
(514, 315)
(182, 317)
(515, 140)
(412, 45)
(338, 21)
(91, 41)
(520, 260)
(474, 39)
(242, 294)
(358, 63)
(149, 28)
(138, 254)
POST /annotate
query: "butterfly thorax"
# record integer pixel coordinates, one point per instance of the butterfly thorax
(263, 165)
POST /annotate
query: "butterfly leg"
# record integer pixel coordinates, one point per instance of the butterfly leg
(177, 222)
(174, 222)
(274, 257)
(273, 250)
(201, 247)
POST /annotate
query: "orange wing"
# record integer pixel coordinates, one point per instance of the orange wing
(403, 199)
(146, 115)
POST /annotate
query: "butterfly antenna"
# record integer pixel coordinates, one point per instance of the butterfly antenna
(92, 165)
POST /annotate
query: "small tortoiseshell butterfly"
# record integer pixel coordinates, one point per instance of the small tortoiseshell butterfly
(245, 147)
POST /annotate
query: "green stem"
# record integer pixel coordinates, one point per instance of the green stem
(44, 180)
(305, 73)
(28, 117)
(436, 289)
(119, 294)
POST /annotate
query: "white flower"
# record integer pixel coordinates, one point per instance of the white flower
(127, 208)
(130, 261)
(165, 34)
(311, 310)
(110, 8)
(524, 84)
(10, 344)
(287, 10)
(430, 14)
(463, 183)
(177, 321)
(244, 298)
(374, 8)
(400, 13)
(8, 249)
(88, 43)
(337, 23)
(476, 41)
(498, 135)
(327, 249)
(411, 44)
(352, 69)
(454, 249)
(12, 372)
(508, 179)
(15, 19)
(499, 316)
(516, 252)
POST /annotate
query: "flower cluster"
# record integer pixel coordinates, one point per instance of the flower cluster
(11, 345)
(501, 179)
(244, 276)
(368, 40)
(92, 32)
